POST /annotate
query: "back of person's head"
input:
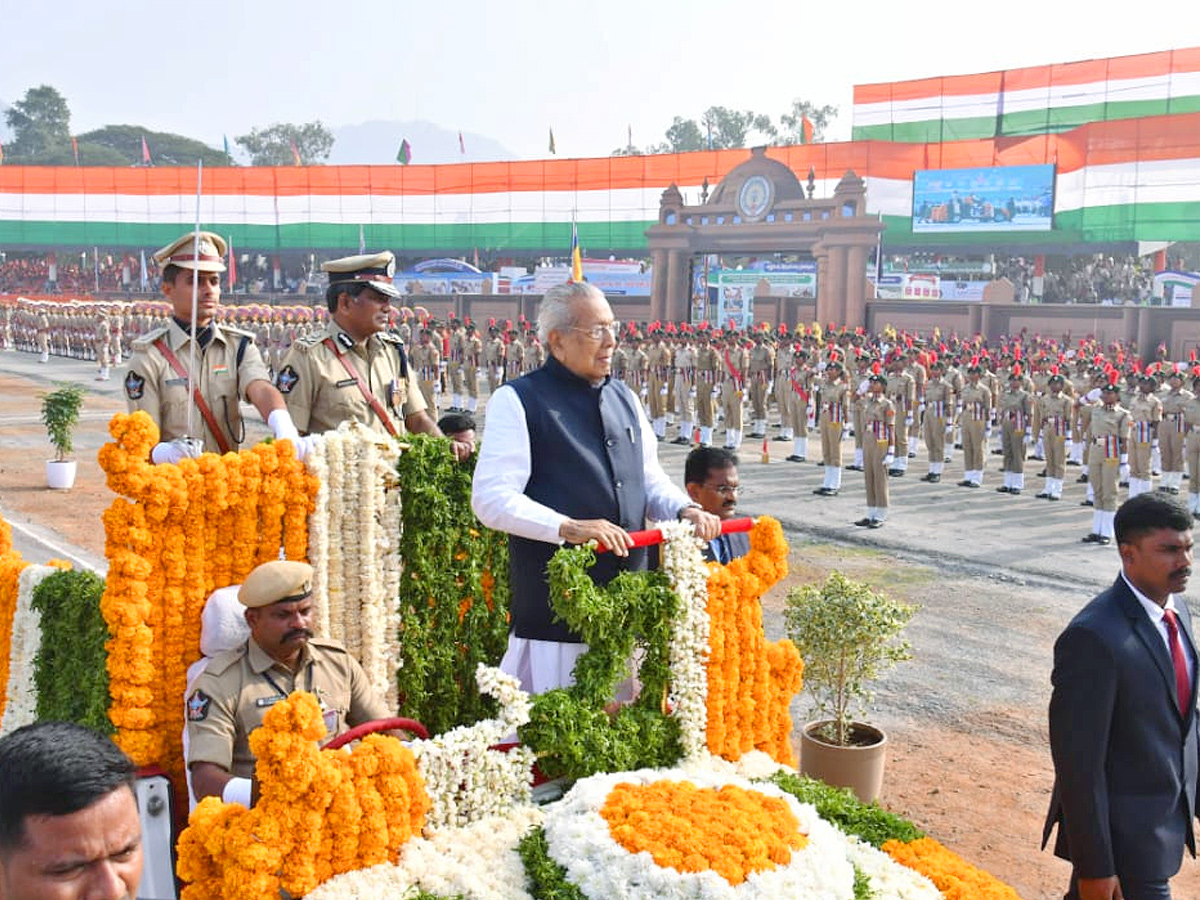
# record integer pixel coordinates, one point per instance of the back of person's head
(703, 460)
(55, 769)
(1148, 512)
(456, 423)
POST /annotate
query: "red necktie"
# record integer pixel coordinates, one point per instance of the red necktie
(1182, 686)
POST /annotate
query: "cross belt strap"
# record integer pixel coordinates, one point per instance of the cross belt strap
(206, 412)
(371, 399)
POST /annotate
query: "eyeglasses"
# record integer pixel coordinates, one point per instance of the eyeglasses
(727, 490)
(597, 332)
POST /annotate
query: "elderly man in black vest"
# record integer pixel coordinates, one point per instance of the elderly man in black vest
(569, 456)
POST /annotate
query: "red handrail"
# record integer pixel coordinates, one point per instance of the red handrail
(652, 536)
(410, 725)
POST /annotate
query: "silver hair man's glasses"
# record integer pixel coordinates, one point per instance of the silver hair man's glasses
(597, 332)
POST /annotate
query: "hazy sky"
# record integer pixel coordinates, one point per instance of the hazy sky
(512, 69)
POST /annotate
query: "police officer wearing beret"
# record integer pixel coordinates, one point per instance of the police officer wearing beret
(227, 365)
(355, 369)
(238, 687)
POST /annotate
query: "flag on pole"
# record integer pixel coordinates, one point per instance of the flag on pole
(145, 152)
(552, 147)
(225, 138)
(576, 258)
(404, 154)
(75, 148)
(232, 264)
(462, 145)
(362, 241)
(295, 154)
(806, 130)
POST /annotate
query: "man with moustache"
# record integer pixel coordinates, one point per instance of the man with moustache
(233, 694)
(69, 826)
(1123, 730)
(711, 477)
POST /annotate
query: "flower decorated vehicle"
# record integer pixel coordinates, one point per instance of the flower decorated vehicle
(691, 791)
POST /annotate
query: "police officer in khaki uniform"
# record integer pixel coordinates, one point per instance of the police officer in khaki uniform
(1108, 446)
(228, 367)
(354, 369)
(1171, 431)
(237, 687)
(1145, 408)
(1052, 420)
(879, 449)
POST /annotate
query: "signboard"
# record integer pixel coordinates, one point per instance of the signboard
(735, 288)
(999, 198)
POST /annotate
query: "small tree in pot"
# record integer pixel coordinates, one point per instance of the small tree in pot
(60, 415)
(847, 634)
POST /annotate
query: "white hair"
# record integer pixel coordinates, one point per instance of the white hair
(557, 309)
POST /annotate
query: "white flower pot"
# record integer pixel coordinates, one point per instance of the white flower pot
(60, 473)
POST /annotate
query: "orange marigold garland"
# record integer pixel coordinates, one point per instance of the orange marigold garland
(751, 681)
(11, 565)
(320, 813)
(173, 535)
(956, 878)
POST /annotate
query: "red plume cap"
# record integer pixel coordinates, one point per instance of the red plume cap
(876, 368)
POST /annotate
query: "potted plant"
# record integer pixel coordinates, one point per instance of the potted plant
(60, 415)
(847, 634)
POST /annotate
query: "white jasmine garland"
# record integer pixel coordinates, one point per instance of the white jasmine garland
(20, 706)
(688, 574)
(318, 536)
(889, 879)
(579, 840)
(335, 599)
(478, 861)
(465, 780)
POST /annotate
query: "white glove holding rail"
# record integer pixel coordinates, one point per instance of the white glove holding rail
(174, 451)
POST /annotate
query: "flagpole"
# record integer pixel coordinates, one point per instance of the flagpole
(191, 374)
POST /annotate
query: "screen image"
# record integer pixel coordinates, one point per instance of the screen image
(1002, 198)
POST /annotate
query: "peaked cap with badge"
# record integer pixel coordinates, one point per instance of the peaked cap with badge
(278, 581)
(374, 269)
(184, 253)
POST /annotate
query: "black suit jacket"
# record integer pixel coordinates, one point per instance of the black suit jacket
(1125, 757)
(739, 545)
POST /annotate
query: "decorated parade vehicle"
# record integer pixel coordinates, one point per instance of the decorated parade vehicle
(689, 790)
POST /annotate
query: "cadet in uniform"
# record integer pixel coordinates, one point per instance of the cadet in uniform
(1171, 432)
(228, 365)
(975, 412)
(1108, 443)
(835, 404)
(902, 391)
(659, 364)
(685, 389)
(761, 370)
(1016, 423)
(879, 449)
(472, 357)
(426, 359)
(1053, 413)
(1146, 411)
(1191, 425)
(708, 376)
(937, 400)
(493, 358)
(237, 687)
(354, 369)
(733, 391)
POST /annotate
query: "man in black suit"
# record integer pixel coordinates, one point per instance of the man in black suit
(710, 476)
(1123, 730)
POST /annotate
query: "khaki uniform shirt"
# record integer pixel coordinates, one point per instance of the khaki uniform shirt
(153, 385)
(321, 394)
(238, 687)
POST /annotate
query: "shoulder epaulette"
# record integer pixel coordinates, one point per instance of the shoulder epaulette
(226, 659)
(241, 332)
(152, 335)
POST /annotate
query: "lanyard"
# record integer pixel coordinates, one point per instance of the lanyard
(280, 691)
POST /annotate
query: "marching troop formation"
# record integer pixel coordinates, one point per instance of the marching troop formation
(880, 401)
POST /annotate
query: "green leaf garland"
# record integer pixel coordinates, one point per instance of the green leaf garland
(71, 668)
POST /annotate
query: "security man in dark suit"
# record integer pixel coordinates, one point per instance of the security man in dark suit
(1123, 728)
(711, 477)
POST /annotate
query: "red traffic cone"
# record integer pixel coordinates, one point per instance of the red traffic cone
(766, 454)
(696, 436)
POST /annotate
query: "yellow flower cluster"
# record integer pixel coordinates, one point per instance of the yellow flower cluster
(956, 878)
(751, 681)
(11, 565)
(729, 830)
(320, 812)
(174, 534)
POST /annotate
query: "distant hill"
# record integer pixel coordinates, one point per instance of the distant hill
(377, 143)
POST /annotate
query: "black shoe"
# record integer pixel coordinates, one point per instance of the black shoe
(1054, 498)
(896, 473)
(821, 464)
(965, 483)
(875, 523)
(1082, 479)
(997, 453)
(1087, 503)
(1038, 458)
(1042, 496)
(863, 523)
(794, 458)
(780, 437)
(1172, 490)
(1071, 462)
(681, 440)
(958, 446)
(1092, 538)
(757, 434)
(1015, 491)
(912, 456)
(1102, 540)
(1122, 484)
(947, 459)
(1041, 474)
(930, 477)
(1004, 490)
(826, 492)
(854, 468)
(934, 479)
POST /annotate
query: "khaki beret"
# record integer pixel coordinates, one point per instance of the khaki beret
(376, 269)
(278, 581)
(183, 252)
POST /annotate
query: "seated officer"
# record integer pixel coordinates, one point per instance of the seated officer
(355, 369)
(711, 477)
(237, 688)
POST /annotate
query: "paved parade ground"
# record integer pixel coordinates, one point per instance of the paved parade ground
(997, 578)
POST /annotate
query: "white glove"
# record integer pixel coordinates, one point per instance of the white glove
(987, 432)
(889, 459)
(908, 420)
(1154, 444)
(1029, 434)
(281, 425)
(174, 451)
(1124, 459)
(716, 392)
(692, 393)
(921, 406)
(950, 428)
